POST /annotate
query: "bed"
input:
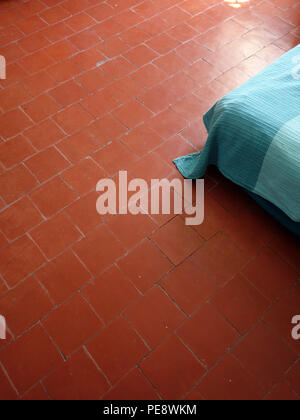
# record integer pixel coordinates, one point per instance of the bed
(254, 139)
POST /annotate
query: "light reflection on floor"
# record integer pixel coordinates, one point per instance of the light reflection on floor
(236, 3)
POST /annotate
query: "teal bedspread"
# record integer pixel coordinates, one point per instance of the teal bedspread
(254, 136)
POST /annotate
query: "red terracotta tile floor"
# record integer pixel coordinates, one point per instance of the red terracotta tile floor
(136, 307)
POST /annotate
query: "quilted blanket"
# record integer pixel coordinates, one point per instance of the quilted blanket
(254, 136)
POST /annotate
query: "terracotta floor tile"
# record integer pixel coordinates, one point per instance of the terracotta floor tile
(77, 146)
(182, 32)
(288, 247)
(135, 36)
(113, 47)
(84, 214)
(68, 93)
(17, 74)
(107, 29)
(73, 118)
(100, 103)
(215, 336)
(172, 369)
(170, 63)
(125, 89)
(232, 198)
(38, 83)
(293, 377)
(180, 85)
(145, 265)
(85, 39)
(282, 392)
(133, 386)
(168, 123)
(15, 151)
(3, 241)
(15, 183)
(94, 79)
(101, 12)
(47, 163)
(220, 258)
(13, 96)
(229, 380)
(240, 303)
(61, 50)
(234, 77)
(25, 305)
(202, 72)
(61, 195)
(18, 218)
(19, 259)
(147, 9)
(219, 36)
(34, 42)
(118, 341)
(174, 147)
(41, 108)
(64, 70)
(132, 114)
(268, 370)
(270, 274)
(83, 176)
(251, 231)
(188, 107)
(162, 43)
(189, 286)
(77, 319)
(110, 294)
(31, 24)
(154, 316)
(63, 276)
(131, 229)
(140, 55)
(76, 6)
(54, 235)
(158, 99)
(36, 394)
(127, 18)
(248, 19)
(253, 65)
(148, 76)
(57, 32)
(118, 68)
(44, 134)
(196, 134)
(12, 52)
(176, 240)
(201, 23)
(151, 166)
(11, 35)
(192, 51)
(99, 250)
(55, 14)
(36, 62)
(23, 369)
(13, 123)
(281, 314)
(77, 379)
(216, 217)
(114, 157)
(86, 60)
(141, 140)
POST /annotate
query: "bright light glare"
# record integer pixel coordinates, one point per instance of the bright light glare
(236, 3)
